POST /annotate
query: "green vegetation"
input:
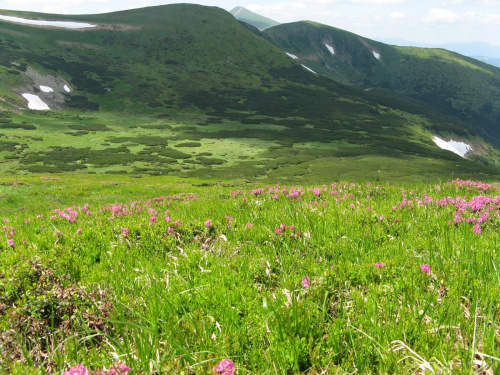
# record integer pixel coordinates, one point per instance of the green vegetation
(172, 276)
(445, 81)
(145, 82)
(164, 214)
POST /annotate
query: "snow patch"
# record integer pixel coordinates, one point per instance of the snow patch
(292, 56)
(34, 102)
(309, 69)
(62, 24)
(46, 89)
(459, 148)
(330, 48)
(66, 88)
(377, 55)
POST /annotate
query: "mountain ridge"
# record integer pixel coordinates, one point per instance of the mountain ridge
(199, 66)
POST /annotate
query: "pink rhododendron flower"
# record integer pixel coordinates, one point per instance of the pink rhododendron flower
(79, 231)
(426, 268)
(119, 369)
(10, 242)
(225, 366)
(379, 264)
(77, 370)
(305, 281)
(208, 223)
(125, 231)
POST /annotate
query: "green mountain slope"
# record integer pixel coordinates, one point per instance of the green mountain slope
(186, 89)
(446, 81)
(254, 19)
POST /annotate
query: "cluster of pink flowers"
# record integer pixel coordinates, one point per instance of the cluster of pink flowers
(225, 367)
(116, 369)
(283, 228)
(477, 184)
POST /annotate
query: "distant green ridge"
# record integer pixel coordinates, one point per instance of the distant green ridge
(446, 81)
(254, 19)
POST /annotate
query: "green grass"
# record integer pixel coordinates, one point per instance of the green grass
(179, 297)
(385, 146)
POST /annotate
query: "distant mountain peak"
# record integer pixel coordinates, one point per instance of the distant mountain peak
(254, 19)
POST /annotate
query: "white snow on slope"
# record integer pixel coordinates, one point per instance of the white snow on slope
(66, 88)
(63, 24)
(309, 69)
(292, 56)
(459, 148)
(34, 102)
(46, 89)
(377, 55)
(330, 48)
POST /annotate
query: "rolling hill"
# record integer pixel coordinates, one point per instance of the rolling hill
(188, 90)
(444, 80)
(254, 19)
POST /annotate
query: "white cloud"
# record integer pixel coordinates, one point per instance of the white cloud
(441, 16)
(492, 18)
(451, 2)
(491, 2)
(288, 11)
(396, 16)
(378, 1)
(60, 3)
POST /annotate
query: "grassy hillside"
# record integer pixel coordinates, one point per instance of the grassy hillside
(445, 81)
(188, 90)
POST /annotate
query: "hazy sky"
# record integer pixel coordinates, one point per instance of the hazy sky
(425, 21)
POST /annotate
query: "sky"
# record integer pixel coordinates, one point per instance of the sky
(420, 21)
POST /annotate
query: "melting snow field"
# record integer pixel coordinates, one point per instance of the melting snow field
(34, 102)
(377, 55)
(46, 89)
(66, 88)
(330, 48)
(292, 56)
(63, 24)
(309, 69)
(459, 148)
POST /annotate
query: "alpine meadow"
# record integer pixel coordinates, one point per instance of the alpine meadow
(188, 191)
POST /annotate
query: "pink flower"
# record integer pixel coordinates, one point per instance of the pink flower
(379, 264)
(10, 242)
(77, 370)
(277, 231)
(79, 231)
(249, 225)
(208, 223)
(119, 369)
(125, 231)
(477, 229)
(317, 191)
(426, 268)
(226, 366)
(152, 220)
(305, 282)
